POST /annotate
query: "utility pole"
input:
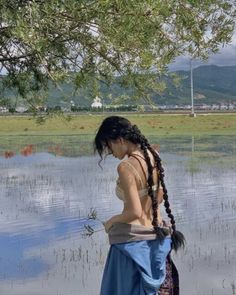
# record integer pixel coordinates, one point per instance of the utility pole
(191, 86)
(102, 105)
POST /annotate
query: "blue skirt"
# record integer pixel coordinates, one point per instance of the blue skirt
(135, 268)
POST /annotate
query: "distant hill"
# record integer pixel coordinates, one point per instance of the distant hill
(212, 84)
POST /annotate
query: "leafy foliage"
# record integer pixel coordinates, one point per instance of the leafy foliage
(46, 40)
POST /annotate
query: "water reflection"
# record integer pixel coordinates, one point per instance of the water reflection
(27, 150)
(9, 154)
(45, 202)
(56, 150)
(80, 145)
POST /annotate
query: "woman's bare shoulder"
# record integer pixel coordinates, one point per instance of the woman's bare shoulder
(122, 167)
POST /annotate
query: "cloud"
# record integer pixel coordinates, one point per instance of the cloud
(225, 57)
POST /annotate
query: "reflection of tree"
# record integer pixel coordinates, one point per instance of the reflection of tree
(194, 163)
(192, 145)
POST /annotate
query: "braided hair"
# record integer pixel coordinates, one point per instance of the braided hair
(115, 127)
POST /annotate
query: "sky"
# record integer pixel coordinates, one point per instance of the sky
(225, 57)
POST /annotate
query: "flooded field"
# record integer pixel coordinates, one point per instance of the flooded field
(48, 245)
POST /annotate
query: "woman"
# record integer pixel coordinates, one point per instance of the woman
(139, 259)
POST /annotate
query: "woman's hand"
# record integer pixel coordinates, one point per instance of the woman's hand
(108, 224)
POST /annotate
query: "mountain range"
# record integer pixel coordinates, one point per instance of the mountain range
(212, 84)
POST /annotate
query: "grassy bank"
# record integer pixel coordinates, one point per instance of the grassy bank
(161, 124)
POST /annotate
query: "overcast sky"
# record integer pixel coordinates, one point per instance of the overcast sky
(225, 57)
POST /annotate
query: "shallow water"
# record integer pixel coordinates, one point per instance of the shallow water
(46, 198)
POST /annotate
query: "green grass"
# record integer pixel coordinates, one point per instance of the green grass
(87, 124)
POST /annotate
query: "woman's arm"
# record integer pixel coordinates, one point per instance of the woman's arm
(132, 206)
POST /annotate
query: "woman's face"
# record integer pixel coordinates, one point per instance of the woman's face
(117, 148)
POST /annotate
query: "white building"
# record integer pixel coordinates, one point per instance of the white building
(96, 103)
(3, 110)
(21, 109)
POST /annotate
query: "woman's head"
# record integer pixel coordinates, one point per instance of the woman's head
(116, 135)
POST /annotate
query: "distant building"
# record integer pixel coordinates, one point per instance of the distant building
(96, 103)
(215, 106)
(223, 107)
(21, 109)
(3, 110)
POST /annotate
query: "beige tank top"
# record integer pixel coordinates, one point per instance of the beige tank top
(142, 192)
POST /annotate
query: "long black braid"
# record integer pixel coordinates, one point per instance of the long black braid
(115, 127)
(178, 239)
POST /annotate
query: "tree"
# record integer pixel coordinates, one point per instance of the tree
(132, 42)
